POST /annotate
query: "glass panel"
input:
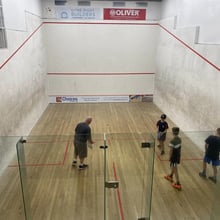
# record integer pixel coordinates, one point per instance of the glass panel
(52, 187)
(118, 182)
(129, 171)
(49, 180)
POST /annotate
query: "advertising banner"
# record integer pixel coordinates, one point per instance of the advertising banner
(87, 99)
(124, 14)
(80, 13)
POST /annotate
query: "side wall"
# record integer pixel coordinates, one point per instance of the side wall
(22, 73)
(188, 70)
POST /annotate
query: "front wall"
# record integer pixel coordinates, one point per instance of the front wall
(100, 50)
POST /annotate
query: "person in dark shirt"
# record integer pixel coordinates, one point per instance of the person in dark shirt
(175, 155)
(212, 148)
(81, 137)
(162, 127)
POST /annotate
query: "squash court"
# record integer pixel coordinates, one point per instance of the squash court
(56, 190)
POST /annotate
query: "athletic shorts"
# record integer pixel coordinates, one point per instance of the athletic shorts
(209, 160)
(173, 164)
(80, 149)
(161, 137)
(174, 160)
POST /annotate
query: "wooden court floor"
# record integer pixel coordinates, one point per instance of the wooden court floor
(59, 191)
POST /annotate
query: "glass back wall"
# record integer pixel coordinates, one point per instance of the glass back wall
(117, 183)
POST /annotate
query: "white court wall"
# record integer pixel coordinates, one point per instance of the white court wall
(100, 50)
(187, 79)
(116, 57)
(22, 74)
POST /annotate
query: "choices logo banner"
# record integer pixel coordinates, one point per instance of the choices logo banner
(65, 99)
(124, 14)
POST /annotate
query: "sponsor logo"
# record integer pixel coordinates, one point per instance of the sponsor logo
(122, 12)
(58, 99)
(63, 99)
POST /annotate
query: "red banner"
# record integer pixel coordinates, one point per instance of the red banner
(124, 14)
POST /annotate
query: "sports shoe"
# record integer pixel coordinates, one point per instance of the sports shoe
(213, 179)
(177, 186)
(74, 163)
(202, 174)
(162, 152)
(169, 178)
(83, 166)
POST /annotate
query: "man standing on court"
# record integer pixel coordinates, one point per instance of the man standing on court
(81, 137)
(212, 148)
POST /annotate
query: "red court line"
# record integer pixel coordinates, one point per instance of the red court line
(99, 74)
(46, 164)
(37, 165)
(99, 23)
(13, 54)
(124, 139)
(159, 157)
(118, 193)
(45, 142)
(108, 141)
(65, 154)
(194, 51)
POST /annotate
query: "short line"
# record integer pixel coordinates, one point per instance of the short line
(182, 159)
(44, 142)
(37, 165)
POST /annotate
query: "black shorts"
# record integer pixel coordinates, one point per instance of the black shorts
(174, 161)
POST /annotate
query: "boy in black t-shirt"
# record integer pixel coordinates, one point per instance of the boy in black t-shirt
(212, 148)
(175, 154)
(162, 127)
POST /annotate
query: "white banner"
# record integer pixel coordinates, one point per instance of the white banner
(87, 99)
(78, 13)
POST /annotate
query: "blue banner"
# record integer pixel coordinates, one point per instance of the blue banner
(80, 13)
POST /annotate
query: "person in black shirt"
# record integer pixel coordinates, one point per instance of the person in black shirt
(212, 148)
(81, 137)
(162, 127)
(175, 154)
